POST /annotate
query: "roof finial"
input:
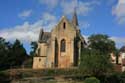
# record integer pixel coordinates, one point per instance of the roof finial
(74, 19)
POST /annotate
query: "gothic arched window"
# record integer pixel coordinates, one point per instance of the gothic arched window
(63, 45)
(64, 25)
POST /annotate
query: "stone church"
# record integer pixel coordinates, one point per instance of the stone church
(60, 48)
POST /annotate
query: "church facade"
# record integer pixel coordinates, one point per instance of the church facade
(60, 48)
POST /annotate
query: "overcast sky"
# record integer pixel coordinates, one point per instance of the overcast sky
(22, 19)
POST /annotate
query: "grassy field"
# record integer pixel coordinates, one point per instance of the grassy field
(53, 76)
(38, 76)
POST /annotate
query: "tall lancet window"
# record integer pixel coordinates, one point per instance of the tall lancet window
(63, 45)
(64, 25)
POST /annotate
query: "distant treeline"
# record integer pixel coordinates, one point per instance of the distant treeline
(14, 55)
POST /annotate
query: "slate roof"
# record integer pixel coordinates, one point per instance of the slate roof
(44, 37)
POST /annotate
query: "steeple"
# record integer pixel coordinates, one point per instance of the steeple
(41, 34)
(74, 19)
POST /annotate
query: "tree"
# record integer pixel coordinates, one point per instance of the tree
(33, 48)
(95, 58)
(92, 63)
(28, 62)
(101, 43)
(17, 54)
(4, 52)
(11, 55)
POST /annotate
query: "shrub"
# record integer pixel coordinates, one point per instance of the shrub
(91, 80)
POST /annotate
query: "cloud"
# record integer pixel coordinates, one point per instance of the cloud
(29, 32)
(83, 25)
(118, 39)
(49, 3)
(25, 14)
(83, 8)
(21, 32)
(68, 6)
(48, 17)
(119, 11)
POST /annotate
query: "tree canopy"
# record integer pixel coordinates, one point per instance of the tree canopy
(101, 43)
(11, 54)
(94, 60)
(92, 63)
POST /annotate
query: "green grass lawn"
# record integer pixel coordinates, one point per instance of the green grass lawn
(37, 76)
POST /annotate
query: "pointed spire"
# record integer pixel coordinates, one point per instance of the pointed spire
(74, 19)
(41, 34)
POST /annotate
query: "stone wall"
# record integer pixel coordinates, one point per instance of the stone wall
(39, 62)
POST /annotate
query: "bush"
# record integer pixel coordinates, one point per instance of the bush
(4, 78)
(92, 80)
